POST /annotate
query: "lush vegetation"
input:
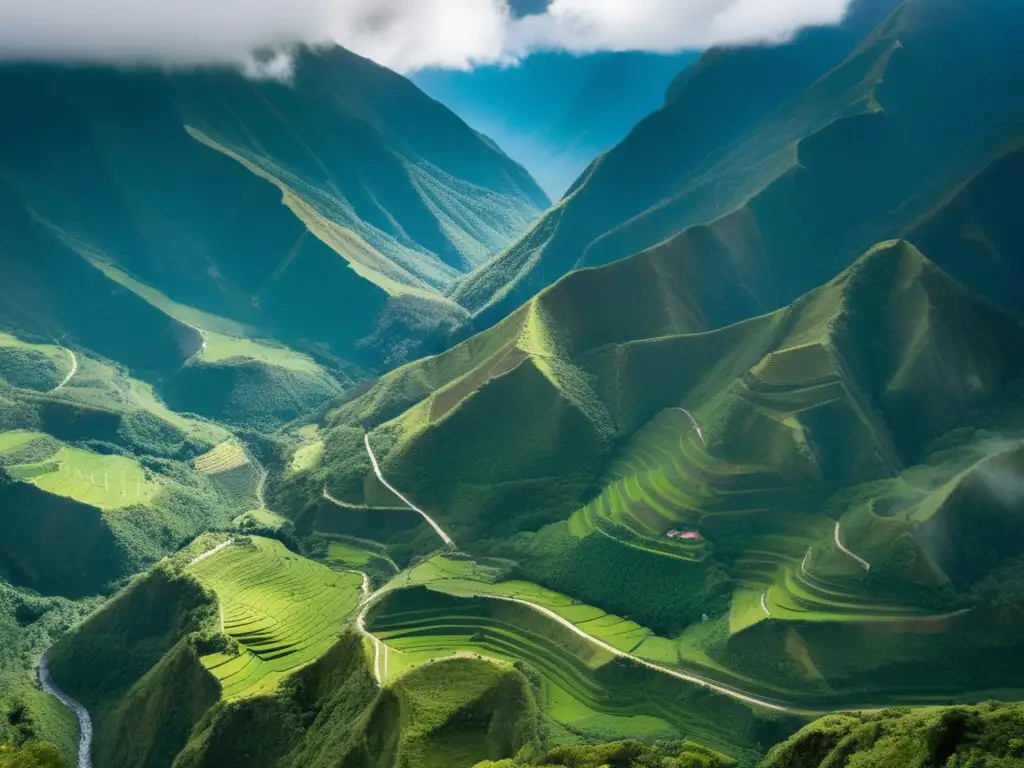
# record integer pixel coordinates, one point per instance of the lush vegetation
(983, 736)
(624, 754)
(282, 610)
(135, 666)
(249, 392)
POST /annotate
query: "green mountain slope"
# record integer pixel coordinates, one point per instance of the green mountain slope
(558, 439)
(796, 159)
(846, 386)
(293, 211)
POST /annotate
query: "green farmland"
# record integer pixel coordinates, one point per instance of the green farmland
(583, 687)
(107, 482)
(283, 610)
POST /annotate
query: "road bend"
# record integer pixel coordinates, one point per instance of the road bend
(863, 563)
(71, 373)
(693, 420)
(376, 470)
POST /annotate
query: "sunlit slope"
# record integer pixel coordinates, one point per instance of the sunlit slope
(283, 610)
(298, 210)
(99, 478)
(845, 386)
(796, 158)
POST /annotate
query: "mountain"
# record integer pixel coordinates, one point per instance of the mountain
(565, 438)
(556, 112)
(730, 453)
(794, 159)
(313, 212)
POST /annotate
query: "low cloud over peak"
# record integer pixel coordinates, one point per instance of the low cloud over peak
(402, 34)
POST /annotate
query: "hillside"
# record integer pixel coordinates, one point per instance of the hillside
(985, 736)
(99, 479)
(560, 441)
(542, 399)
(802, 157)
(309, 212)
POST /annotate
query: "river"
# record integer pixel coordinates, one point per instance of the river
(84, 721)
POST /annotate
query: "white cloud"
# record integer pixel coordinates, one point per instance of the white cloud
(402, 34)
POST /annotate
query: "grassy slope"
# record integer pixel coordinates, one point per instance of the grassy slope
(794, 404)
(788, 186)
(283, 611)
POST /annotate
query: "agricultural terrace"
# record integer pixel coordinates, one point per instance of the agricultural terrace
(225, 457)
(106, 482)
(582, 686)
(283, 610)
(229, 467)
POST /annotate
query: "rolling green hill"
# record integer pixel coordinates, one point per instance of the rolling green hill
(315, 212)
(789, 161)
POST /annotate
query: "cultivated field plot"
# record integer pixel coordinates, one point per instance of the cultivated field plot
(581, 685)
(107, 482)
(225, 457)
(229, 467)
(19, 438)
(462, 578)
(285, 611)
(220, 347)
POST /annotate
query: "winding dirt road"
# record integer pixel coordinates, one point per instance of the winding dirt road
(210, 552)
(863, 563)
(696, 426)
(704, 682)
(376, 470)
(368, 602)
(71, 374)
(84, 721)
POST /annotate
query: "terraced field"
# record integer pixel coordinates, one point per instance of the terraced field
(582, 686)
(667, 479)
(284, 611)
(107, 482)
(464, 578)
(418, 627)
(229, 467)
(225, 457)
